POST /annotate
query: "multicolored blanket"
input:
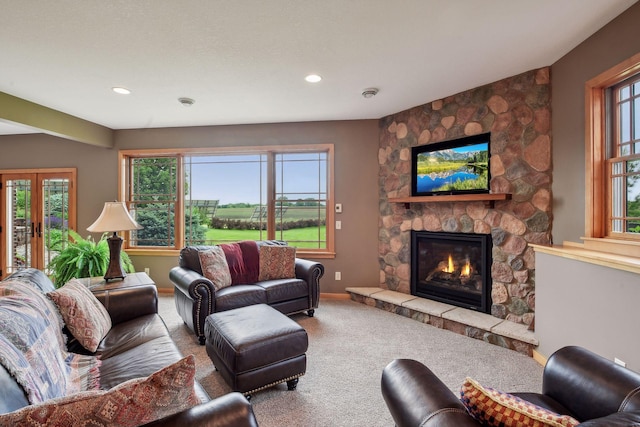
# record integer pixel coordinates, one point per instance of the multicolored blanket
(33, 347)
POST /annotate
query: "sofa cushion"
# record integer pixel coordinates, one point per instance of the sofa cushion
(139, 361)
(85, 317)
(495, 408)
(240, 296)
(132, 403)
(215, 267)
(277, 262)
(130, 334)
(284, 289)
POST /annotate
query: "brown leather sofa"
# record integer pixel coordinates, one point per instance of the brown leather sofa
(196, 297)
(137, 345)
(576, 382)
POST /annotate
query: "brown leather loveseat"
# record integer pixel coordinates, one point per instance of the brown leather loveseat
(576, 382)
(196, 296)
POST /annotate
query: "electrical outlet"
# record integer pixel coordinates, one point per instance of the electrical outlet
(619, 362)
(147, 270)
(338, 275)
(338, 207)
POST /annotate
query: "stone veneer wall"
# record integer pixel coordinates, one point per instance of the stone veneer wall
(517, 112)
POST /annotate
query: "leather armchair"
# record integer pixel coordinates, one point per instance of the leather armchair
(575, 382)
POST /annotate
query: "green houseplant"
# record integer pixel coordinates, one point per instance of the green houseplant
(83, 258)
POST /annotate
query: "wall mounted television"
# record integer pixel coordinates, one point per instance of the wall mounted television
(458, 166)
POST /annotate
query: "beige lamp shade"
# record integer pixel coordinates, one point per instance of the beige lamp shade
(114, 217)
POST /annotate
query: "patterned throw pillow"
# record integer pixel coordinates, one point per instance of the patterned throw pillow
(277, 262)
(214, 267)
(495, 408)
(132, 403)
(85, 317)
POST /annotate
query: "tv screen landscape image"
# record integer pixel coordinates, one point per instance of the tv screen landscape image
(452, 167)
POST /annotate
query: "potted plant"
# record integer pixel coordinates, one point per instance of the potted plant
(83, 258)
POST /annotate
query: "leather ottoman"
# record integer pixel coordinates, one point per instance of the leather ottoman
(256, 347)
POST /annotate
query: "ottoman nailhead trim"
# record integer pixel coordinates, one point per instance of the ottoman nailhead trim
(293, 377)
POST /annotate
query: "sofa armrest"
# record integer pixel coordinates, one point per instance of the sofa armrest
(603, 387)
(415, 396)
(619, 419)
(193, 284)
(230, 410)
(310, 272)
(124, 304)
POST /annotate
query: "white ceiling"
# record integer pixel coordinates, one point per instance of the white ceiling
(244, 61)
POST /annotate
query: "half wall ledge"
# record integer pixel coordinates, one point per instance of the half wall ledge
(473, 324)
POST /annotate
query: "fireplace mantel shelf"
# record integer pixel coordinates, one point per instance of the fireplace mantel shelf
(487, 198)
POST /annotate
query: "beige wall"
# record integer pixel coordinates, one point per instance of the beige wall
(589, 305)
(576, 302)
(356, 175)
(617, 41)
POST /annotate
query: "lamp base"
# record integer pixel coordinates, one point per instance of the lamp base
(115, 270)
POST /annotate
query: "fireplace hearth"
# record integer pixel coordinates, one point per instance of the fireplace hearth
(453, 268)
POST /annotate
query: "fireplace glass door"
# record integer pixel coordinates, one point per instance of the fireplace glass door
(453, 268)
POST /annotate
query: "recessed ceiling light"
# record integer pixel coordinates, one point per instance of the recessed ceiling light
(370, 92)
(187, 102)
(121, 90)
(313, 78)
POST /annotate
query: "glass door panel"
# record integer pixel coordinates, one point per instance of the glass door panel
(19, 227)
(37, 211)
(54, 229)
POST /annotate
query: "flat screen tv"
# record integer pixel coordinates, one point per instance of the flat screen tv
(459, 166)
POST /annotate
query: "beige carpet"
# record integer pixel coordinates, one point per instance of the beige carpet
(349, 345)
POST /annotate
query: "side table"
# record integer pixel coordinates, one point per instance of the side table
(98, 284)
(133, 286)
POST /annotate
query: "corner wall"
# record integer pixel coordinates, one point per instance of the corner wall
(516, 111)
(615, 42)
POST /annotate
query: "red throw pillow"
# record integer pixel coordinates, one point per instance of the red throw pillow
(235, 261)
(251, 257)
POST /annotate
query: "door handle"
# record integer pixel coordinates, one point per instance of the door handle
(39, 229)
(32, 230)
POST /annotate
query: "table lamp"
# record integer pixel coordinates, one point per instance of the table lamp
(114, 218)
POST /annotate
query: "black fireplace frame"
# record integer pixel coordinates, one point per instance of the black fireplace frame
(480, 303)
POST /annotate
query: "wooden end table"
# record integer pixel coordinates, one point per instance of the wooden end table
(131, 280)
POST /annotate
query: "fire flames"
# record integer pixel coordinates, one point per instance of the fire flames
(450, 267)
(465, 270)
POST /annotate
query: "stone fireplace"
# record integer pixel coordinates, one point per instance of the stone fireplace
(453, 268)
(516, 111)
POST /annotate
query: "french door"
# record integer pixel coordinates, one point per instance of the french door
(37, 209)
